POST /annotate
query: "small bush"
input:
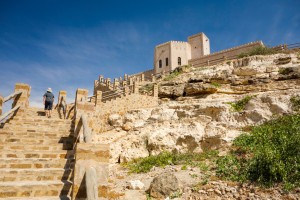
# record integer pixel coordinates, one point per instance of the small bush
(146, 88)
(217, 85)
(172, 75)
(270, 154)
(285, 71)
(240, 105)
(261, 50)
(295, 100)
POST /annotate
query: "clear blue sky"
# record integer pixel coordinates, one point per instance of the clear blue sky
(65, 45)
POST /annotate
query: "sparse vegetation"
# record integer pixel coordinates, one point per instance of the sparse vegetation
(295, 100)
(270, 154)
(146, 88)
(172, 75)
(240, 105)
(285, 71)
(258, 51)
(166, 158)
(217, 85)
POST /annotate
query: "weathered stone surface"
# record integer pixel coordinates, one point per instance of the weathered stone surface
(171, 91)
(135, 185)
(164, 185)
(199, 88)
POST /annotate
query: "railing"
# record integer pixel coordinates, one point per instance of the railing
(10, 112)
(113, 94)
(90, 173)
(293, 46)
(91, 184)
(87, 133)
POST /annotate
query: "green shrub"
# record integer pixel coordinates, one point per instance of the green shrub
(261, 50)
(240, 105)
(166, 158)
(172, 75)
(217, 85)
(270, 154)
(285, 71)
(146, 88)
(295, 100)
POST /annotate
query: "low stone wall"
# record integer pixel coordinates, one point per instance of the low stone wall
(221, 56)
(121, 106)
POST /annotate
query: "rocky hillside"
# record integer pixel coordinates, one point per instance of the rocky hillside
(204, 109)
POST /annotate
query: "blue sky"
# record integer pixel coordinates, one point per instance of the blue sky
(65, 45)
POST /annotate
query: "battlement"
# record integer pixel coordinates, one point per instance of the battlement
(240, 47)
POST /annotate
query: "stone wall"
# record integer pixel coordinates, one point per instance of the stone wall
(221, 56)
(120, 105)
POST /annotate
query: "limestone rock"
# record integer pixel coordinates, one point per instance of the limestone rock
(171, 91)
(199, 89)
(164, 185)
(135, 185)
(115, 120)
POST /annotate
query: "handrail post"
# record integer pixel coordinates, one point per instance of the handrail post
(155, 90)
(135, 88)
(62, 95)
(91, 184)
(23, 99)
(1, 104)
(98, 98)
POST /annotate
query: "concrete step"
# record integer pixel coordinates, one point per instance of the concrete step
(47, 174)
(35, 189)
(18, 146)
(37, 154)
(36, 136)
(28, 163)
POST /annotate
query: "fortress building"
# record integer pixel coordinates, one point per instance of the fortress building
(169, 55)
(195, 52)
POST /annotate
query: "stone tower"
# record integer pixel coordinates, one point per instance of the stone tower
(199, 45)
(169, 55)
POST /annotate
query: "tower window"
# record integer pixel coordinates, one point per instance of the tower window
(167, 61)
(179, 61)
(160, 64)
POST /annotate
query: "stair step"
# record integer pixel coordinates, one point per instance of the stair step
(40, 140)
(37, 154)
(48, 174)
(35, 188)
(28, 163)
(41, 119)
(18, 146)
(34, 133)
(36, 128)
(36, 136)
(39, 198)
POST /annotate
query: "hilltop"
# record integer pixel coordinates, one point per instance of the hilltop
(202, 109)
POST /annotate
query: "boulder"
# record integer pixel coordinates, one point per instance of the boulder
(164, 185)
(115, 120)
(135, 185)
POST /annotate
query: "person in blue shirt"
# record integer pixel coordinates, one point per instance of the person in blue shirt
(48, 99)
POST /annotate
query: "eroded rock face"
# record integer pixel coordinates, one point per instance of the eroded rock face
(199, 122)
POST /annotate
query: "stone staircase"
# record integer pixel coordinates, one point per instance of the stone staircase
(36, 156)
